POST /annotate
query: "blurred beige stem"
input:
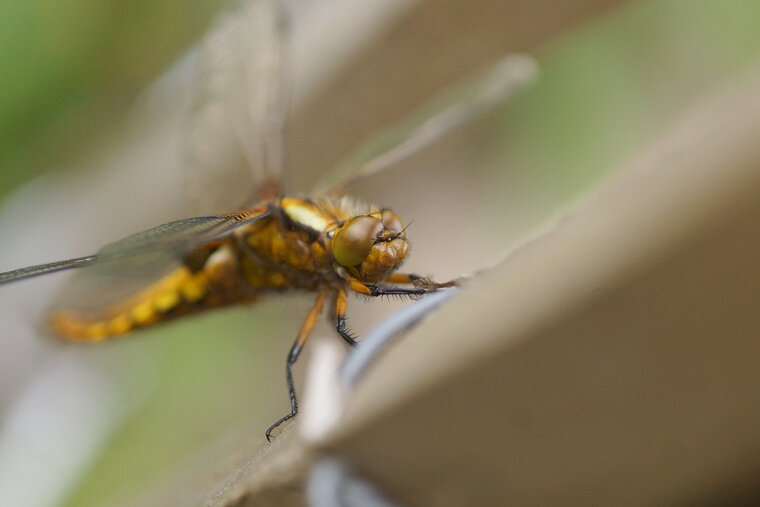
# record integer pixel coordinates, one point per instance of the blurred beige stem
(324, 396)
(611, 361)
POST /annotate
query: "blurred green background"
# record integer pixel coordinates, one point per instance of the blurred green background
(613, 85)
(71, 68)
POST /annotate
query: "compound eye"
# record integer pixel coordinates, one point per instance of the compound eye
(392, 221)
(352, 242)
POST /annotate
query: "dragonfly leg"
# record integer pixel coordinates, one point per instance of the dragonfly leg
(340, 318)
(372, 290)
(295, 351)
(419, 281)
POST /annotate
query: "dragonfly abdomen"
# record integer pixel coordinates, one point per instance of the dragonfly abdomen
(180, 293)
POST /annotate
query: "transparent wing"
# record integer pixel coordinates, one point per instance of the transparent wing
(234, 132)
(44, 269)
(130, 265)
(453, 107)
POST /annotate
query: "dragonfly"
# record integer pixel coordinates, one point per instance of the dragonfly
(325, 243)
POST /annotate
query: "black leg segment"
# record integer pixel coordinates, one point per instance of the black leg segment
(295, 351)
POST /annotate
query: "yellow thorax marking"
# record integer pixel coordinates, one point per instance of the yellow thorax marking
(305, 213)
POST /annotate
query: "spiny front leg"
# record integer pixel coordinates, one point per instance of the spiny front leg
(419, 281)
(295, 351)
(340, 317)
(421, 286)
(372, 290)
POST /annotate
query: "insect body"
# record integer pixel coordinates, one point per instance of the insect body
(325, 246)
(293, 243)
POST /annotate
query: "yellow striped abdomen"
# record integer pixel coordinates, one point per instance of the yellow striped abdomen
(178, 293)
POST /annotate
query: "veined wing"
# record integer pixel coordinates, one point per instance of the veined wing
(234, 131)
(125, 267)
(450, 109)
(43, 269)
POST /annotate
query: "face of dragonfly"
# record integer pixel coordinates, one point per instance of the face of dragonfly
(371, 246)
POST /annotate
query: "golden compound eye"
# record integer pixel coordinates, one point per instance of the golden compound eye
(354, 240)
(392, 222)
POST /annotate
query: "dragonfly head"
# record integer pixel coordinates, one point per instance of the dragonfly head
(370, 246)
